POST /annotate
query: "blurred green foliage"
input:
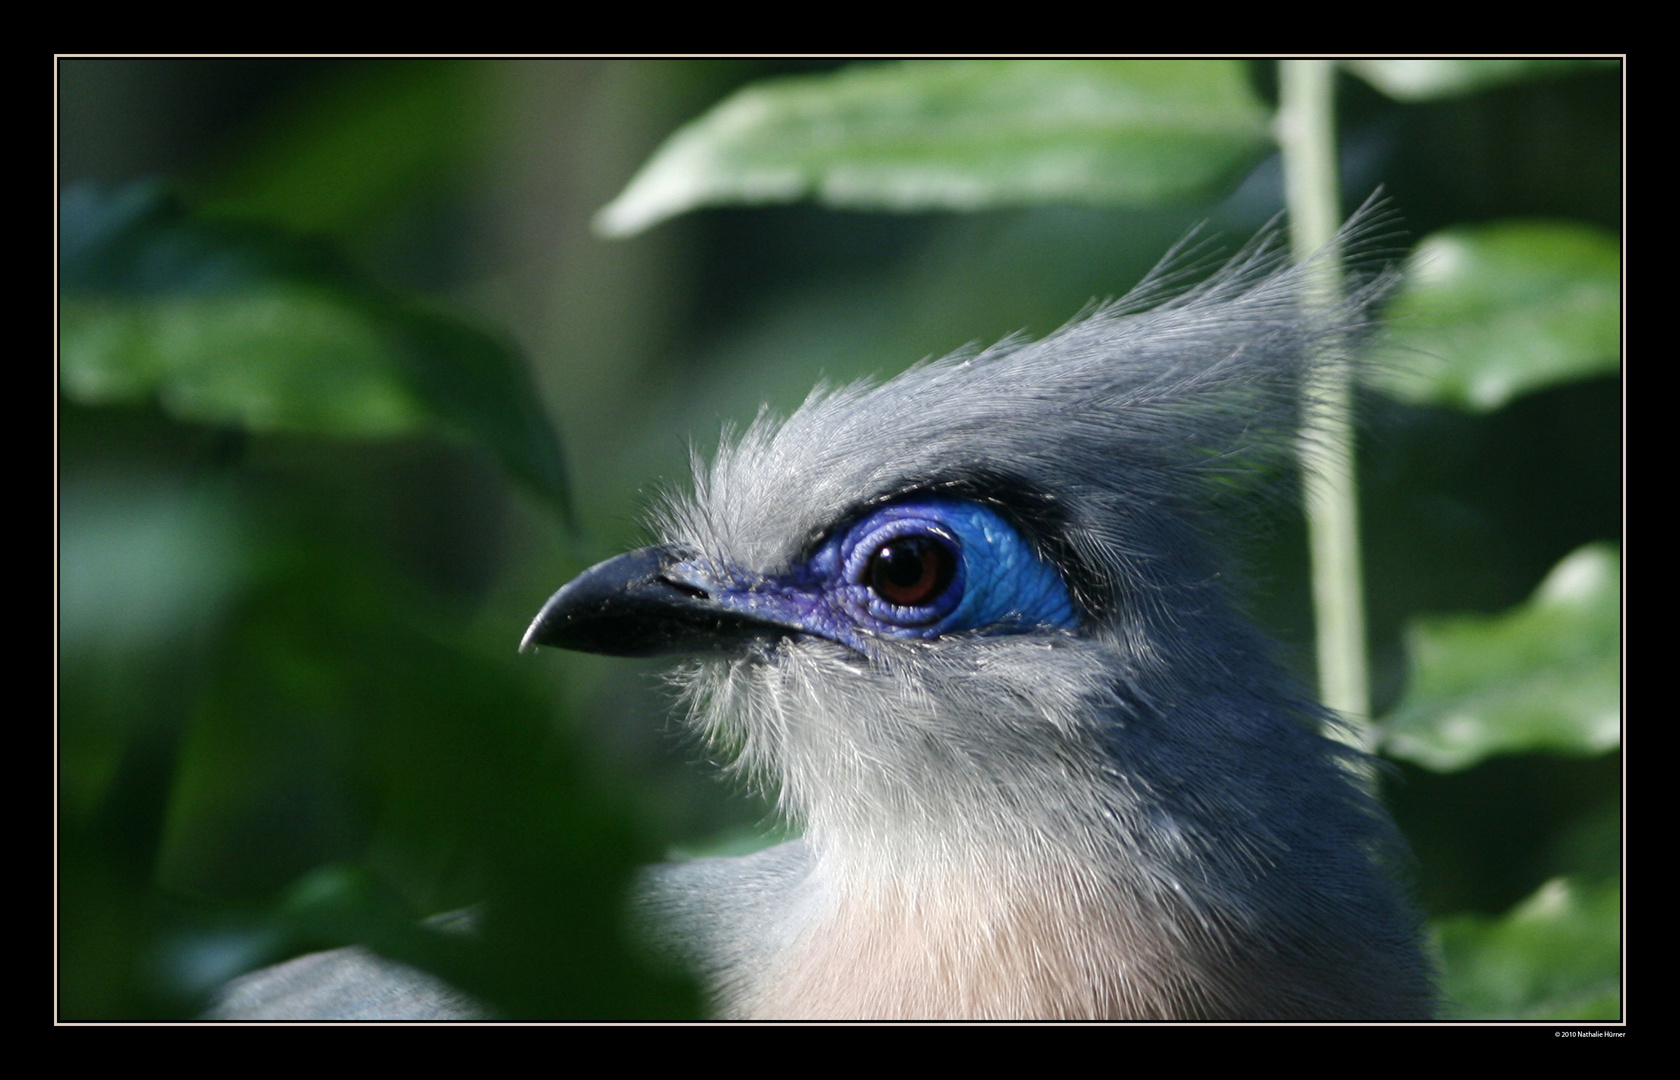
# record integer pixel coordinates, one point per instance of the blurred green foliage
(247, 326)
(962, 135)
(1427, 80)
(307, 505)
(1490, 313)
(1556, 955)
(1542, 676)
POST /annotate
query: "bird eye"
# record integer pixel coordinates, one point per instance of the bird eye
(928, 567)
(911, 571)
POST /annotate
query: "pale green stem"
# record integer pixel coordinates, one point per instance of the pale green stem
(1306, 132)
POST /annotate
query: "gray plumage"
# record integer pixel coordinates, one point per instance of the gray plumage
(342, 984)
(1138, 816)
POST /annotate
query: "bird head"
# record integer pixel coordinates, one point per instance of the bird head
(973, 627)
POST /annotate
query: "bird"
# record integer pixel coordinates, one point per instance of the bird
(976, 629)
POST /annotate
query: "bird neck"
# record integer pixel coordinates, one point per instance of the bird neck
(1007, 936)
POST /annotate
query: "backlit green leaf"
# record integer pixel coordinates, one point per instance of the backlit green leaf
(1556, 956)
(1488, 313)
(1543, 676)
(253, 327)
(958, 135)
(1426, 80)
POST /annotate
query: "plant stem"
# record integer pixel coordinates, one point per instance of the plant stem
(1306, 133)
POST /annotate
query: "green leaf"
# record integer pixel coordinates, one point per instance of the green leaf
(1556, 956)
(958, 135)
(1426, 80)
(1543, 676)
(1489, 313)
(273, 358)
(256, 328)
(480, 388)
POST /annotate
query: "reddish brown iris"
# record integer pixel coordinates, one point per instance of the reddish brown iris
(911, 571)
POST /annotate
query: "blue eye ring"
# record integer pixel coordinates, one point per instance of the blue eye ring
(929, 568)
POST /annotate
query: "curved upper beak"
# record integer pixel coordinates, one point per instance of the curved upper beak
(632, 606)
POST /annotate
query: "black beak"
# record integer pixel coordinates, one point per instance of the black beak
(626, 606)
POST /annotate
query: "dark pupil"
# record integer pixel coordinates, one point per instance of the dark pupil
(911, 571)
